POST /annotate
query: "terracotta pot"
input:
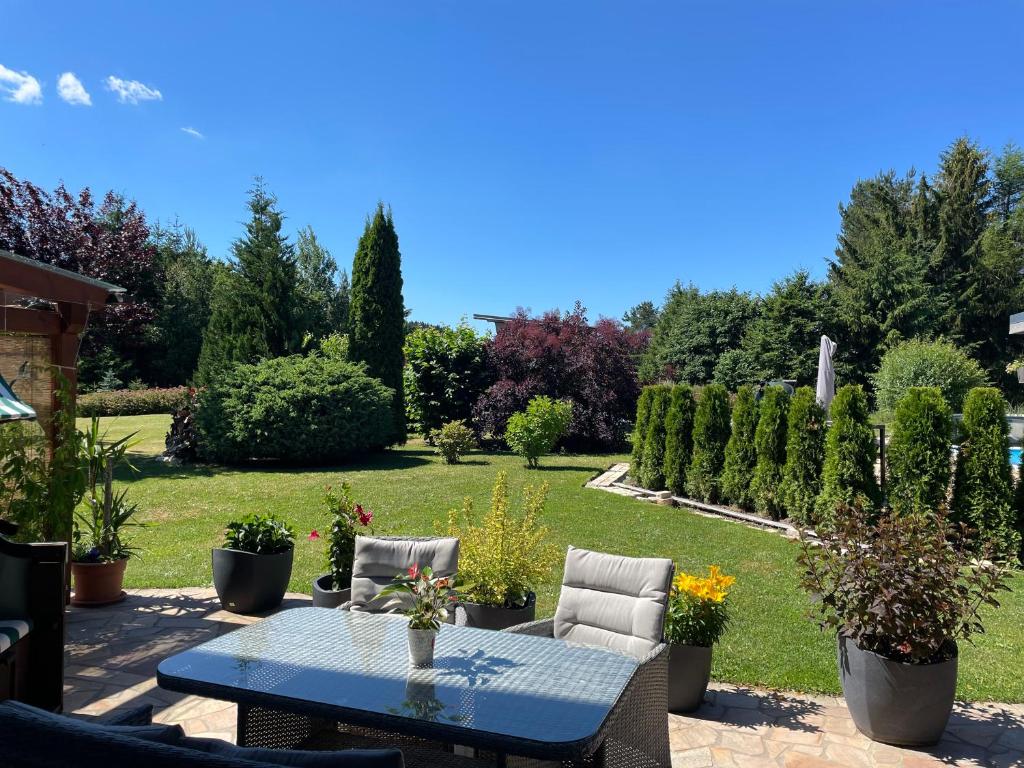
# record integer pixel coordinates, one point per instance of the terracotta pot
(98, 583)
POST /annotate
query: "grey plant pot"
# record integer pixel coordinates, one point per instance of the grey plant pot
(496, 616)
(251, 583)
(421, 646)
(892, 702)
(689, 672)
(324, 596)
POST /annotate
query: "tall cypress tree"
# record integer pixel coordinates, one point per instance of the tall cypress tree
(848, 475)
(740, 456)
(639, 436)
(805, 454)
(652, 468)
(679, 437)
(770, 442)
(377, 312)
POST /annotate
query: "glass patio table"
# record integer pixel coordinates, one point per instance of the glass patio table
(496, 691)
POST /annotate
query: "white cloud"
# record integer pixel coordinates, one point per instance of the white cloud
(193, 132)
(132, 91)
(70, 89)
(20, 87)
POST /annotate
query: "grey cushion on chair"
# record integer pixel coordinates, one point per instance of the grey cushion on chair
(612, 601)
(379, 559)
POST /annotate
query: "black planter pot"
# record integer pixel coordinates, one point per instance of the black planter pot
(326, 597)
(689, 671)
(250, 583)
(495, 616)
(896, 703)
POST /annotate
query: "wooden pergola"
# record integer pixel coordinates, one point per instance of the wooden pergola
(44, 311)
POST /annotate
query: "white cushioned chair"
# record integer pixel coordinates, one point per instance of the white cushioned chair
(378, 559)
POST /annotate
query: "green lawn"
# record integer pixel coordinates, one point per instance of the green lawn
(770, 642)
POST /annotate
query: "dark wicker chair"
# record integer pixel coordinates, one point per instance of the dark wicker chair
(32, 591)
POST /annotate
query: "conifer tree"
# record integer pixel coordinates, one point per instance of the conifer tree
(652, 467)
(848, 476)
(983, 484)
(710, 434)
(919, 460)
(318, 289)
(679, 437)
(770, 443)
(805, 454)
(377, 312)
(740, 454)
(639, 437)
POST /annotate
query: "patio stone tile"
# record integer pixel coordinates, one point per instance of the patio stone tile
(693, 758)
(693, 738)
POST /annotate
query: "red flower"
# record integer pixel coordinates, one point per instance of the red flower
(903, 647)
(414, 572)
(313, 535)
(365, 518)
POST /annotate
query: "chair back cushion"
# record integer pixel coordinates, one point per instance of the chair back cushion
(379, 559)
(613, 602)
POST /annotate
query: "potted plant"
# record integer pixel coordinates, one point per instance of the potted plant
(252, 569)
(502, 557)
(698, 613)
(429, 609)
(899, 592)
(335, 587)
(99, 552)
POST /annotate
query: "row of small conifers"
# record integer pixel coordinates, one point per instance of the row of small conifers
(776, 455)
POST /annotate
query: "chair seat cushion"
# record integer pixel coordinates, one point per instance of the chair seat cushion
(345, 758)
(11, 631)
(15, 711)
(378, 560)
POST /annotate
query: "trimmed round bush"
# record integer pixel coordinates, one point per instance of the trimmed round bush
(643, 415)
(652, 466)
(919, 452)
(848, 475)
(770, 443)
(983, 484)
(805, 455)
(710, 434)
(740, 453)
(303, 410)
(918, 363)
(679, 437)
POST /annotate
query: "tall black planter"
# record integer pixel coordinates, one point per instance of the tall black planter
(896, 703)
(250, 583)
(496, 616)
(689, 672)
(324, 594)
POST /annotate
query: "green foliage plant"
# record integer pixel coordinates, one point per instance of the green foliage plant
(504, 556)
(259, 534)
(770, 443)
(983, 483)
(639, 436)
(679, 437)
(918, 363)
(347, 518)
(453, 440)
(740, 454)
(132, 402)
(652, 468)
(919, 452)
(805, 454)
(711, 431)
(431, 596)
(534, 432)
(848, 475)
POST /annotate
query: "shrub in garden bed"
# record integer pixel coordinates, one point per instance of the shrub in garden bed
(453, 440)
(770, 442)
(710, 434)
(132, 402)
(652, 466)
(679, 437)
(919, 452)
(534, 432)
(805, 453)
(983, 484)
(848, 475)
(740, 454)
(311, 409)
(917, 363)
(639, 437)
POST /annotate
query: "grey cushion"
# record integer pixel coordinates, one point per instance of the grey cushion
(379, 559)
(344, 758)
(613, 602)
(11, 631)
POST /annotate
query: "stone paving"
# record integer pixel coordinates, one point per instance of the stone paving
(113, 652)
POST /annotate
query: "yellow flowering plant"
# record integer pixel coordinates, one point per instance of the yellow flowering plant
(698, 610)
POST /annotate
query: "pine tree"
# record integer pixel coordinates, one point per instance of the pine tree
(710, 434)
(377, 312)
(679, 437)
(342, 303)
(639, 437)
(919, 464)
(770, 442)
(652, 468)
(318, 291)
(983, 484)
(805, 454)
(740, 454)
(848, 475)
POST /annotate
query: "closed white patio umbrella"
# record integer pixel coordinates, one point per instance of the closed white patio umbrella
(826, 388)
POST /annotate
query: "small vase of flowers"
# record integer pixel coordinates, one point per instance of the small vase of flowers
(698, 613)
(429, 599)
(347, 518)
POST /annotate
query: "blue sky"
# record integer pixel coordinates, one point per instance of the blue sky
(533, 153)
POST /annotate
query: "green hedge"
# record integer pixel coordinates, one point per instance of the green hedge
(679, 437)
(770, 443)
(919, 452)
(740, 454)
(131, 402)
(307, 410)
(652, 466)
(805, 454)
(848, 475)
(710, 434)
